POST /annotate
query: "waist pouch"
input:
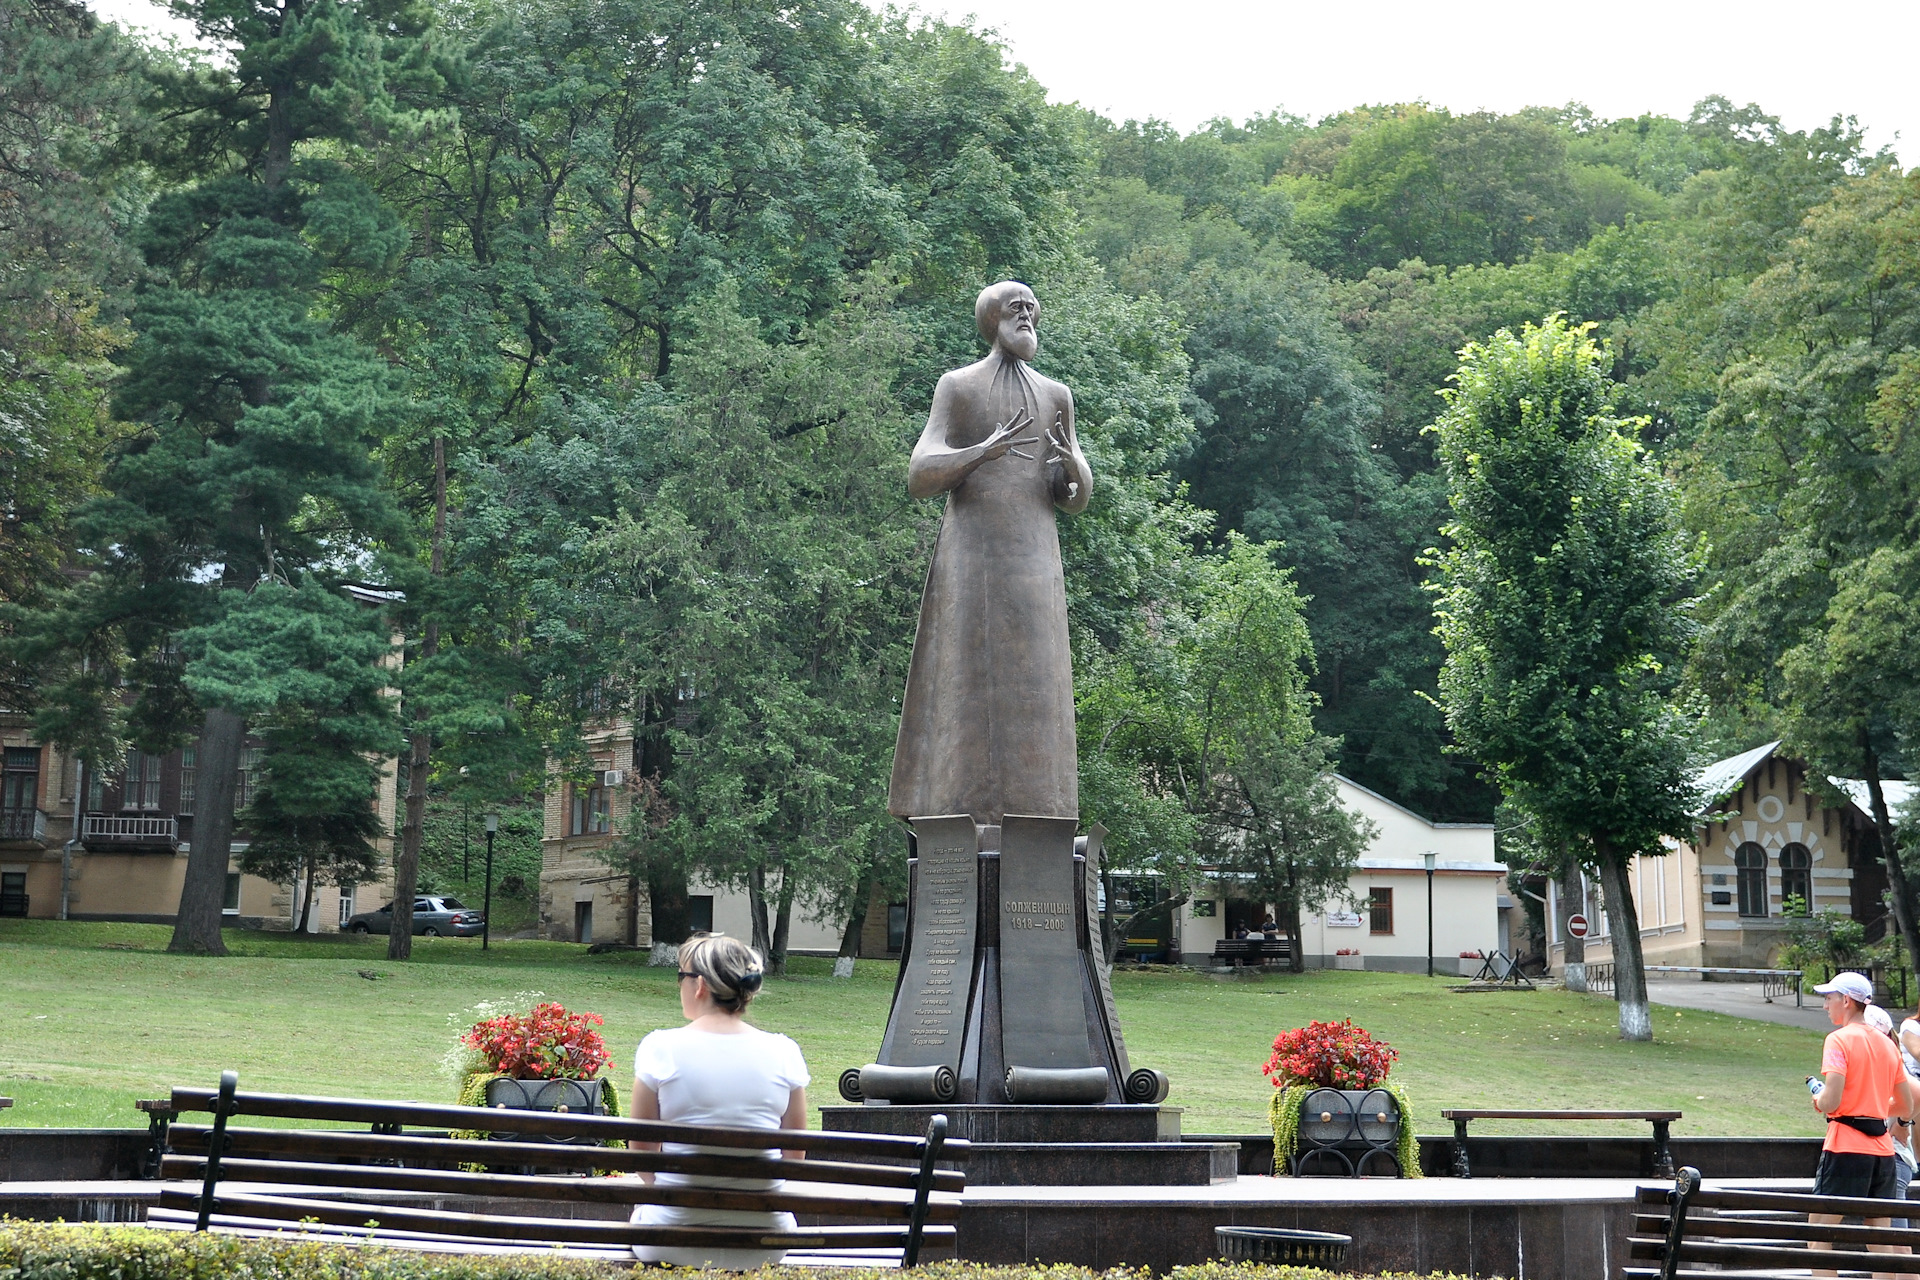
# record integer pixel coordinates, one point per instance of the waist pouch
(1873, 1127)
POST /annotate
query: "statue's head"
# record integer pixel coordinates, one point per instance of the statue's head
(1008, 317)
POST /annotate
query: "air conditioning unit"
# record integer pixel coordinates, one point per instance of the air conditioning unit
(612, 777)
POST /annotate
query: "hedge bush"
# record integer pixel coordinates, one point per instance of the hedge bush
(56, 1251)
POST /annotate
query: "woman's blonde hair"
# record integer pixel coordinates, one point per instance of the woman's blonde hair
(732, 969)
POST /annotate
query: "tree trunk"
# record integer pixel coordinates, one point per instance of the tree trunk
(757, 910)
(782, 927)
(856, 922)
(1573, 901)
(306, 903)
(196, 926)
(1897, 889)
(1296, 961)
(633, 910)
(667, 895)
(406, 867)
(1623, 924)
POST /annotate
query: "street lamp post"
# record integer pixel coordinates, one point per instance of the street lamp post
(1428, 859)
(486, 907)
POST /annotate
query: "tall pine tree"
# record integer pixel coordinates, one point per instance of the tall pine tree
(249, 483)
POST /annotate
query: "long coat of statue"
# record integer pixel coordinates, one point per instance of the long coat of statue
(986, 727)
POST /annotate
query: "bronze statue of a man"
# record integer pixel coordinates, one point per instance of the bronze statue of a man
(987, 724)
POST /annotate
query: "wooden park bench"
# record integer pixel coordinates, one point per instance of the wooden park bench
(1252, 950)
(1661, 1121)
(1708, 1235)
(350, 1186)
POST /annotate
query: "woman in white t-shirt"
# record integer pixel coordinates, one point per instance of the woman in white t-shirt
(717, 1070)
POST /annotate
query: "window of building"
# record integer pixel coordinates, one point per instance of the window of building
(1750, 876)
(140, 788)
(346, 904)
(231, 903)
(247, 776)
(1380, 911)
(189, 779)
(96, 788)
(591, 812)
(21, 794)
(1796, 875)
(699, 913)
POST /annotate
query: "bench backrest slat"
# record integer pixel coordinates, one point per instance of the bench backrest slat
(1457, 1114)
(1785, 1258)
(1736, 1229)
(447, 1223)
(343, 1144)
(595, 1128)
(1795, 1202)
(873, 1203)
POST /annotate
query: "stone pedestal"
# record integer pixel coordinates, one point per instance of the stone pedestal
(1053, 1146)
(1003, 981)
(1003, 1020)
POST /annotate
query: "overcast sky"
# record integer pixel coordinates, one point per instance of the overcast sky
(1186, 61)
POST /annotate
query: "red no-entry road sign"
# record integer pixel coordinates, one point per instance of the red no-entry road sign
(1576, 926)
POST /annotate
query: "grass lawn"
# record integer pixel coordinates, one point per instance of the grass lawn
(95, 1015)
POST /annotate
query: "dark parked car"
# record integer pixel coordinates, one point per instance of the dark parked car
(431, 916)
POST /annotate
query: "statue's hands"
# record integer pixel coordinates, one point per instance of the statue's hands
(1007, 435)
(1060, 445)
(1058, 441)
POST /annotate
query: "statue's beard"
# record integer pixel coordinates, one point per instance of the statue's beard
(1020, 344)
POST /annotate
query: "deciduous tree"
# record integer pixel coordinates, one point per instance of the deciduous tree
(1563, 606)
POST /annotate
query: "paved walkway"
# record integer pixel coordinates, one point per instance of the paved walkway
(1742, 1000)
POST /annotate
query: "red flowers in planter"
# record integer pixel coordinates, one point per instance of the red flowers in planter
(546, 1044)
(1329, 1055)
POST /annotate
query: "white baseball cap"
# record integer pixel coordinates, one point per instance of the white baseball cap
(1854, 986)
(1879, 1019)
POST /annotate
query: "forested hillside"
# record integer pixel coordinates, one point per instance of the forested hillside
(599, 330)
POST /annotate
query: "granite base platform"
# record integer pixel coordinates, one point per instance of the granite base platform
(1121, 1123)
(1016, 1146)
(1557, 1156)
(1550, 1228)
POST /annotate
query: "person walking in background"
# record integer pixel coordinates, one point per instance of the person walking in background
(1864, 1083)
(1910, 1045)
(1900, 1127)
(717, 1070)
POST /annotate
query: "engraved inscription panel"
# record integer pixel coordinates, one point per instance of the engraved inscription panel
(930, 1010)
(1043, 1019)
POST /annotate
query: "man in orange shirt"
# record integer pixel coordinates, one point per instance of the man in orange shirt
(1865, 1084)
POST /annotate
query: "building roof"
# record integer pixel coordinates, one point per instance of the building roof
(1438, 826)
(1724, 777)
(1897, 793)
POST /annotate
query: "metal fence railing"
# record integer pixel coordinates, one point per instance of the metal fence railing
(1777, 984)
